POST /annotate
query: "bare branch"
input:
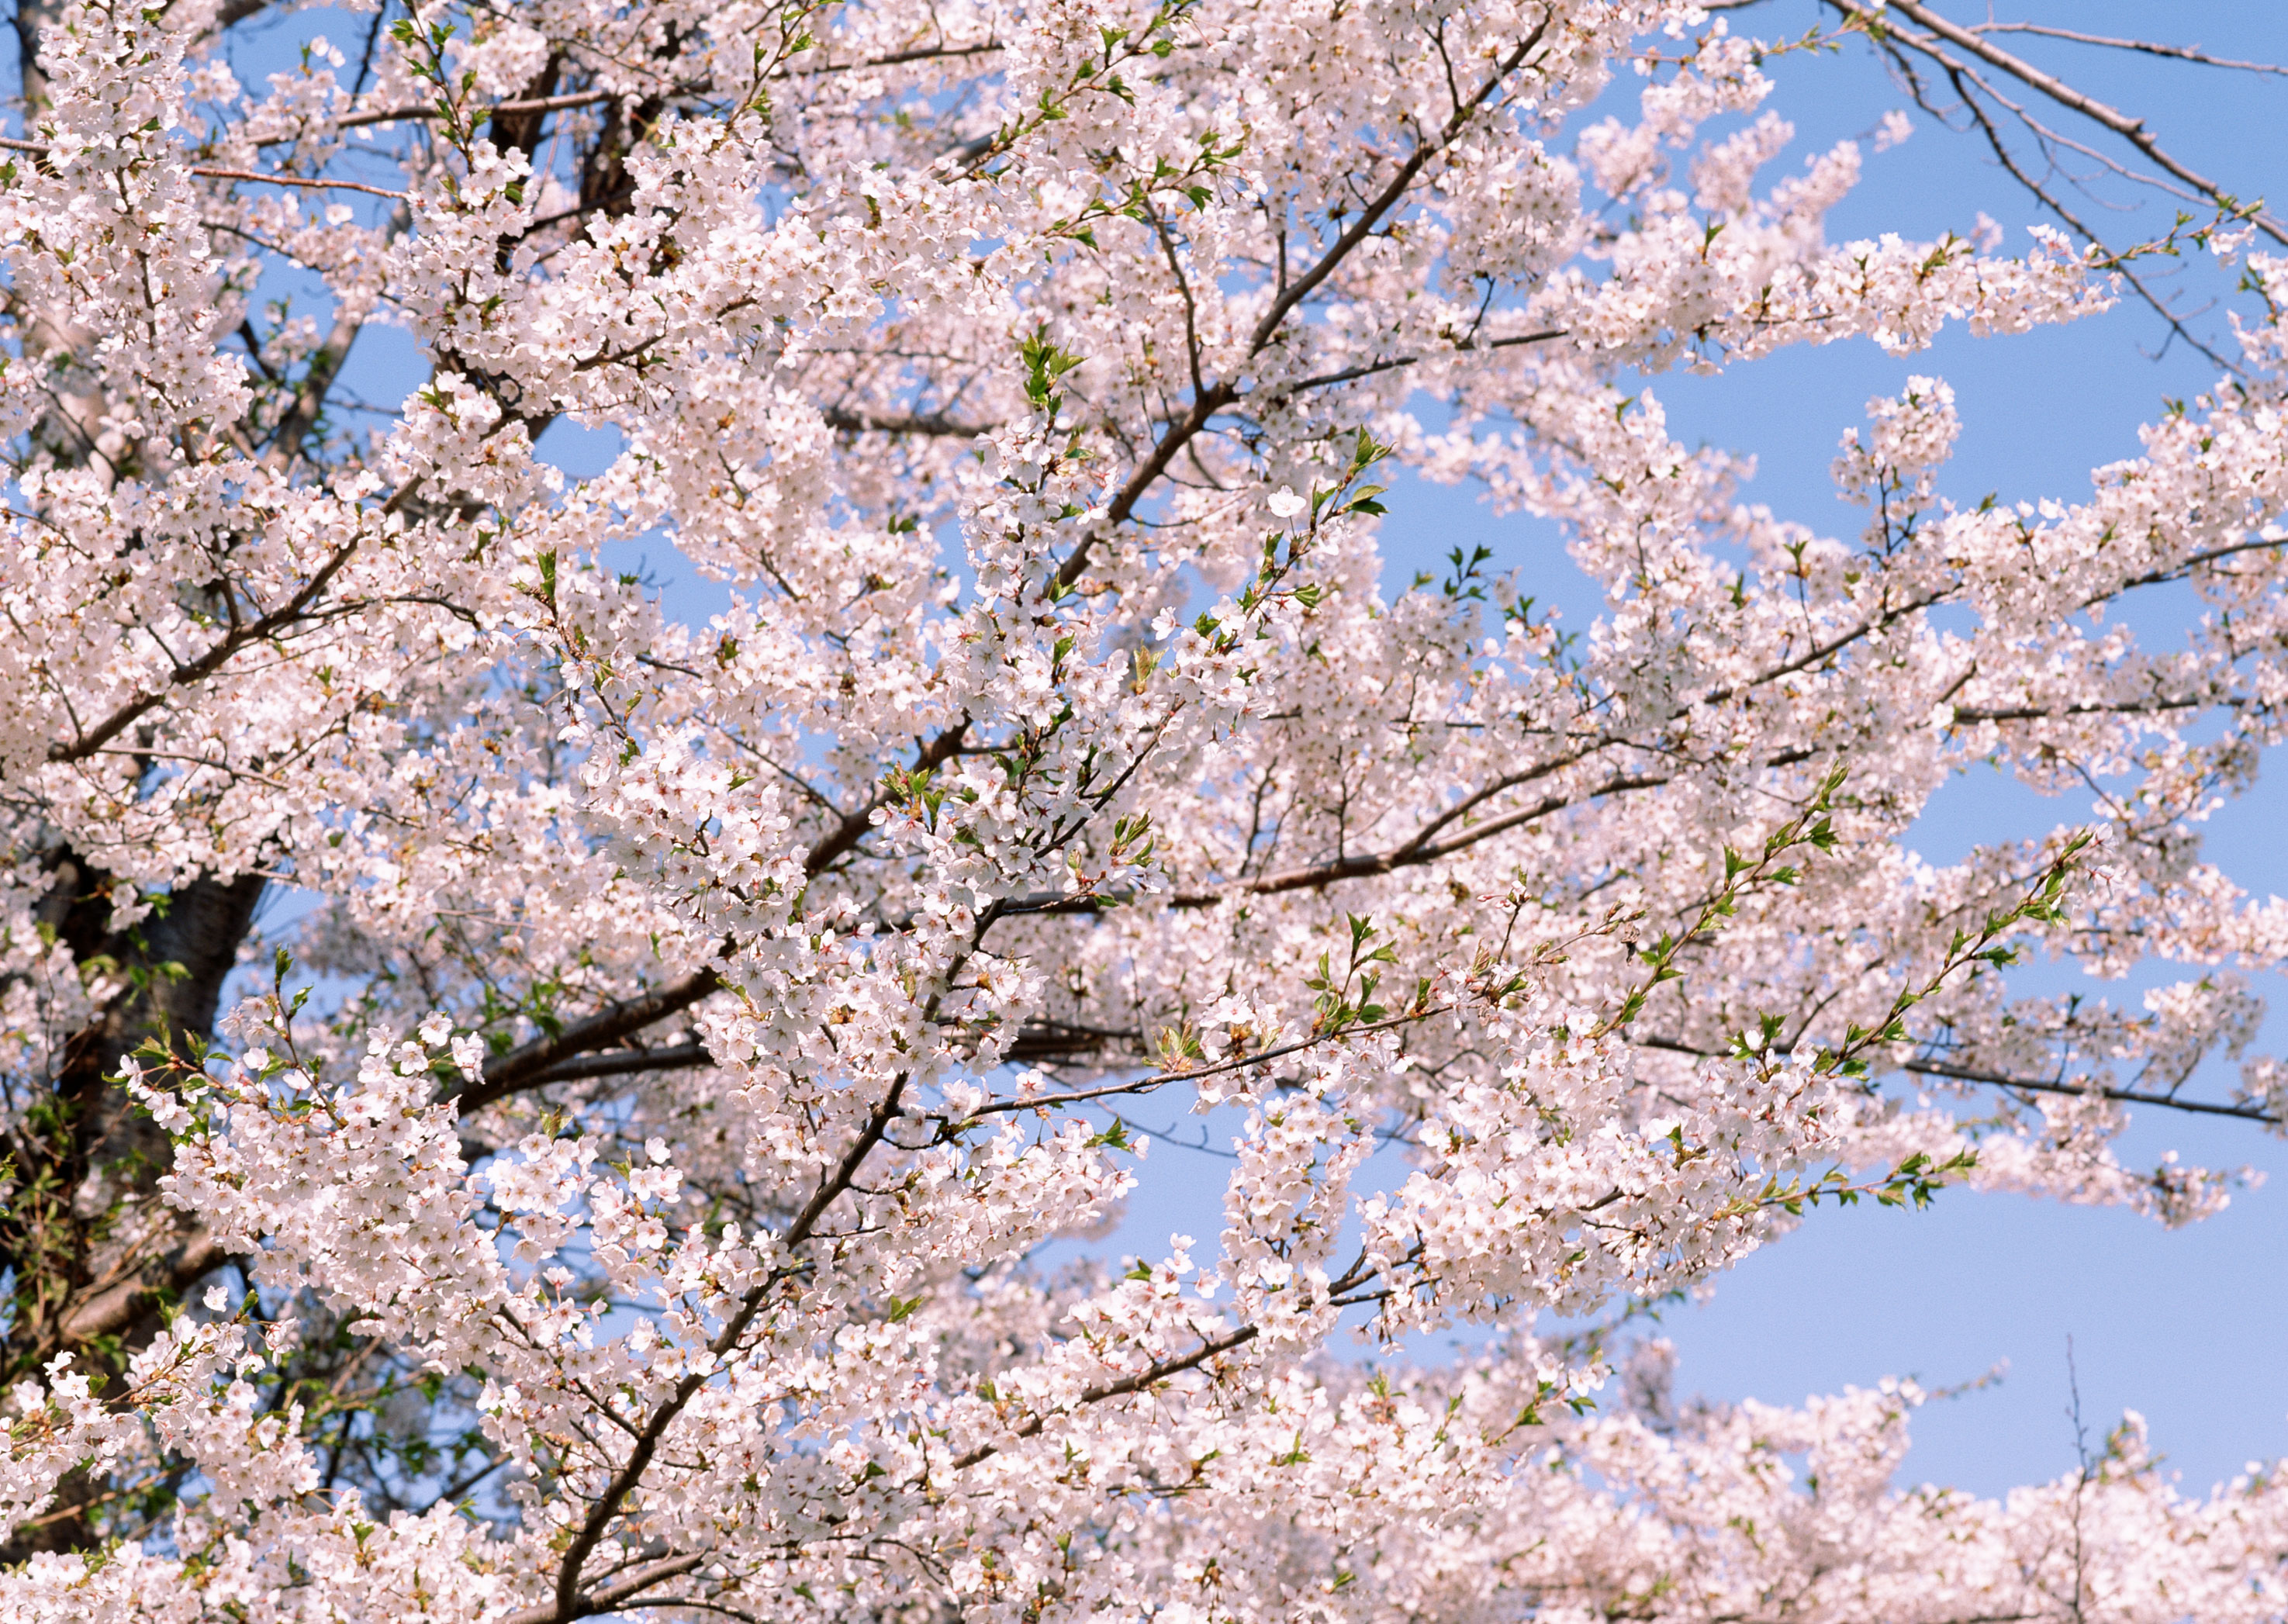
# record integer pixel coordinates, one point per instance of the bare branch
(2132, 1096)
(603, 1598)
(1206, 404)
(2130, 129)
(2146, 47)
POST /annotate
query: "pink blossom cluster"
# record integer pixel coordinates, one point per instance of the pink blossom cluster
(718, 1025)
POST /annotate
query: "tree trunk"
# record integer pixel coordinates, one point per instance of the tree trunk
(99, 1260)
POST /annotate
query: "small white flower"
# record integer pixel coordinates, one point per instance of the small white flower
(1286, 503)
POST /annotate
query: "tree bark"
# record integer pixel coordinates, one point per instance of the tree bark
(98, 1259)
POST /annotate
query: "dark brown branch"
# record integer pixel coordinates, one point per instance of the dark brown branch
(1148, 473)
(2130, 1096)
(1125, 1385)
(624, 1063)
(2032, 1085)
(928, 424)
(306, 183)
(1815, 652)
(1387, 199)
(624, 1482)
(1409, 856)
(117, 1308)
(2142, 47)
(1369, 369)
(1237, 1063)
(83, 1275)
(538, 1062)
(1040, 1041)
(603, 1598)
(2036, 713)
(1416, 853)
(309, 399)
(531, 1065)
(897, 58)
(2103, 114)
(936, 752)
(523, 105)
(1206, 404)
(241, 637)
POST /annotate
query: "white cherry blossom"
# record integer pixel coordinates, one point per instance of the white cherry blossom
(653, 1175)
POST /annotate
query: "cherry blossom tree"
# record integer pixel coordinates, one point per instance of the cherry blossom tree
(625, 1180)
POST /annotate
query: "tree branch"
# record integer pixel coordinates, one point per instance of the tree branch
(623, 1483)
(603, 1598)
(2130, 129)
(531, 1065)
(1206, 404)
(1135, 1383)
(2130, 1096)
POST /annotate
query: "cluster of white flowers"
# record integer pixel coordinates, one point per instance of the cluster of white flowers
(717, 1021)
